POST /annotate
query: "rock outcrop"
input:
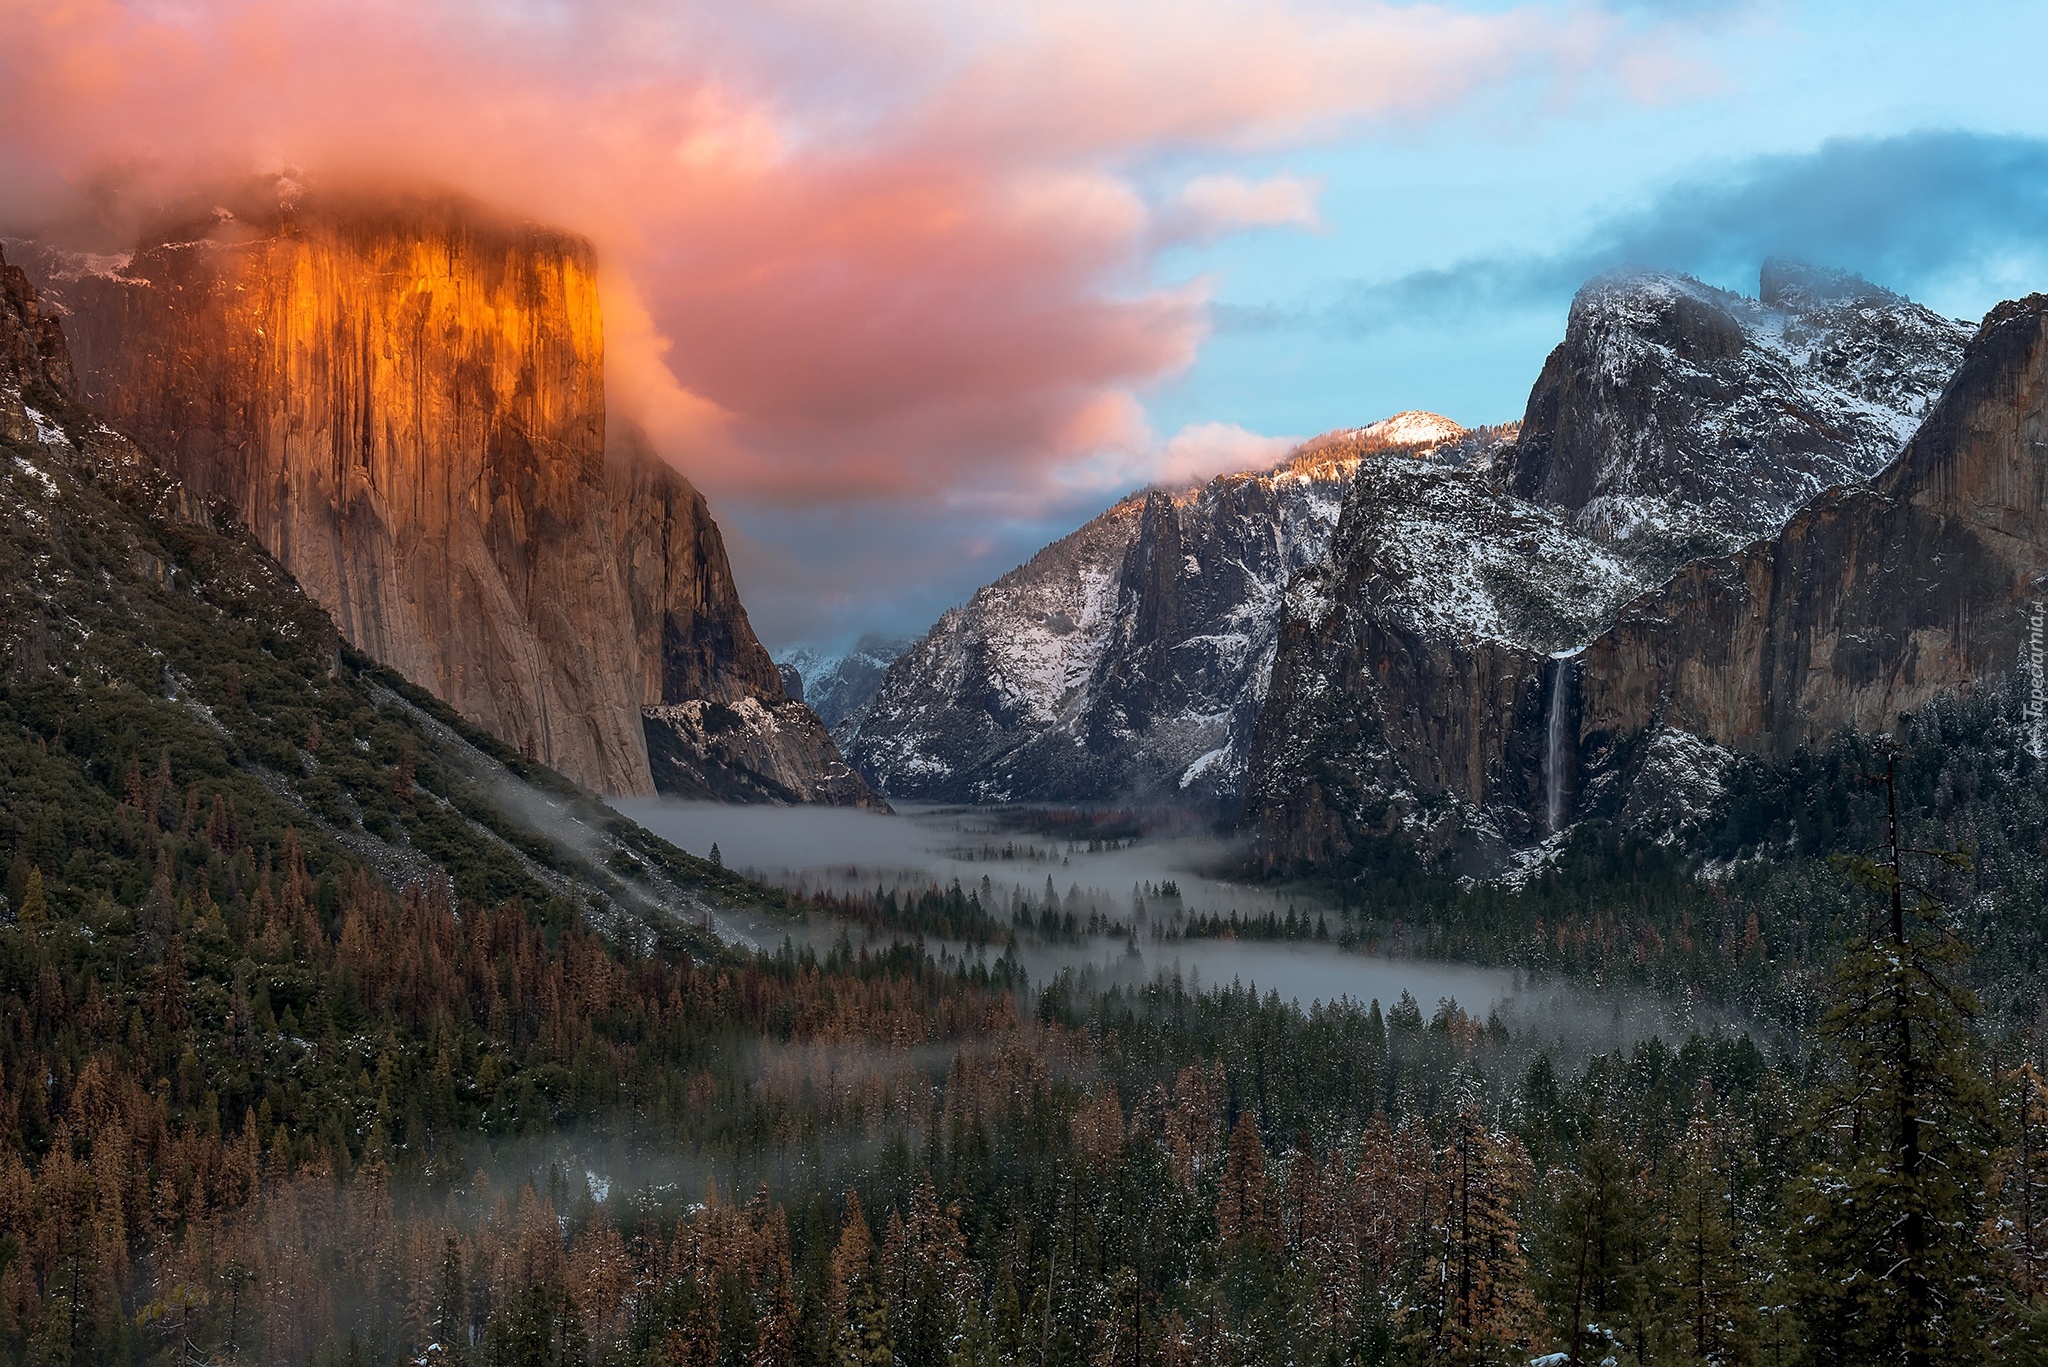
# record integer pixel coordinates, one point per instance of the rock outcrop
(404, 401)
(837, 684)
(1425, 685)
(1677, 420)
(35, 365)
(1873, 601)
(1128, 660)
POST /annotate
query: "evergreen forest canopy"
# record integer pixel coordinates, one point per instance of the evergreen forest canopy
(298, 974)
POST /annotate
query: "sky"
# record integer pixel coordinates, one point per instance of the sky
(912, 287)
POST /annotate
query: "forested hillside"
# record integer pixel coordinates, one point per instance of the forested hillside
(333, 1032)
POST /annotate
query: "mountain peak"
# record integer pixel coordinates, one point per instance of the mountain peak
(1413, 427)
(1795, 286)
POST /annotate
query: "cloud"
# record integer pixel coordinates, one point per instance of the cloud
(1211, 206)
(892, 251)
(1202, 450)
(890, 247)
(1954, 216)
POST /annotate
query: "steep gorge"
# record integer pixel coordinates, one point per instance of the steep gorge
(403, 399)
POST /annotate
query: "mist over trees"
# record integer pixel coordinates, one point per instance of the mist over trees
(265, 1103)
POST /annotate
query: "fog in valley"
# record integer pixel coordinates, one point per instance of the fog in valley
(814, 849)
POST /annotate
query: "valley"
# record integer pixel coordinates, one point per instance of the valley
(437, 930)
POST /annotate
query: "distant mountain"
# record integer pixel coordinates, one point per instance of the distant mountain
(835, 685)
(1677, 419)
(1129, 659)
(403, 399)
(1422, 685)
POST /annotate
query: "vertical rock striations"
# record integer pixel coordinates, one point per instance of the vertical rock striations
(404, 400)
(1872, 602)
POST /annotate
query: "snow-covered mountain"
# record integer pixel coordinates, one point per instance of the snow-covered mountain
(837, 683)
(1677, 419)
(1129, 659)
(1423, 678)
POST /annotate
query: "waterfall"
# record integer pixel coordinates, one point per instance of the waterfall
(1554, 760)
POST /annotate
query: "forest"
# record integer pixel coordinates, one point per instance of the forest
(314, 1049)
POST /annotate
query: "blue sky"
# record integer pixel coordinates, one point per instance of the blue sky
(912, 287)
(1930, 108)
(1906, 142)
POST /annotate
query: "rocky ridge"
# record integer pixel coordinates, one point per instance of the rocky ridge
(1129, 659)
(1872, 602)
(1677, 419)
(838, 683)
(1422, 685)
(403, 399)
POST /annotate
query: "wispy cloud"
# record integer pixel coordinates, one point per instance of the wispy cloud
(898, 251)
(1912, 212)
(890, 247)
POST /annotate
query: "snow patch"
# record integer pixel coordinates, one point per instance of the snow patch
(1412, 428)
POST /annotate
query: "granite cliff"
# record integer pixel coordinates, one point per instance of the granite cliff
(1424, 685)
(1873, 601)
(403, 399)
(1128, 660)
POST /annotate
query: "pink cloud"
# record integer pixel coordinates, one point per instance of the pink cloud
(885, 250)
(1212, 205)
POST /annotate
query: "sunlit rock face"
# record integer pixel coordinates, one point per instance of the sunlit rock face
(1433, 680)
(404, 400)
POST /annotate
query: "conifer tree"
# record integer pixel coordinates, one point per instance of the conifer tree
(35, 906)
(1889, 1261)
(863, 1339)
(2017, 1231)
(1592, 1239)
(1473, 1304)
(1709, 1315)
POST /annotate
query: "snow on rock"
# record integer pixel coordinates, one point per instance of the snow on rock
(1416, 690)
(1413, 428)
(837, 683)
(1677, 420)
(1676, 784)
(749, 750)
(1130, 658)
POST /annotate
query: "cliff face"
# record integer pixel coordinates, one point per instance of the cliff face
(1426, 684)
(1677, 420)
(404, 401)
(35, 365)
(1408, 685)
(1872, 602)
(835, 685)
(1126, 661)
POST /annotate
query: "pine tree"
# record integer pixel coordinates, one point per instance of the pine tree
(1888, 1257)
(35, 907)
(451, 1310)
(864, 1339)
(1708, 1310)
(2017, 1232)
(1593, 1245)
(1472, 1303)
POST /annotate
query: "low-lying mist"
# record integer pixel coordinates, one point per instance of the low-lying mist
(815, 849)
